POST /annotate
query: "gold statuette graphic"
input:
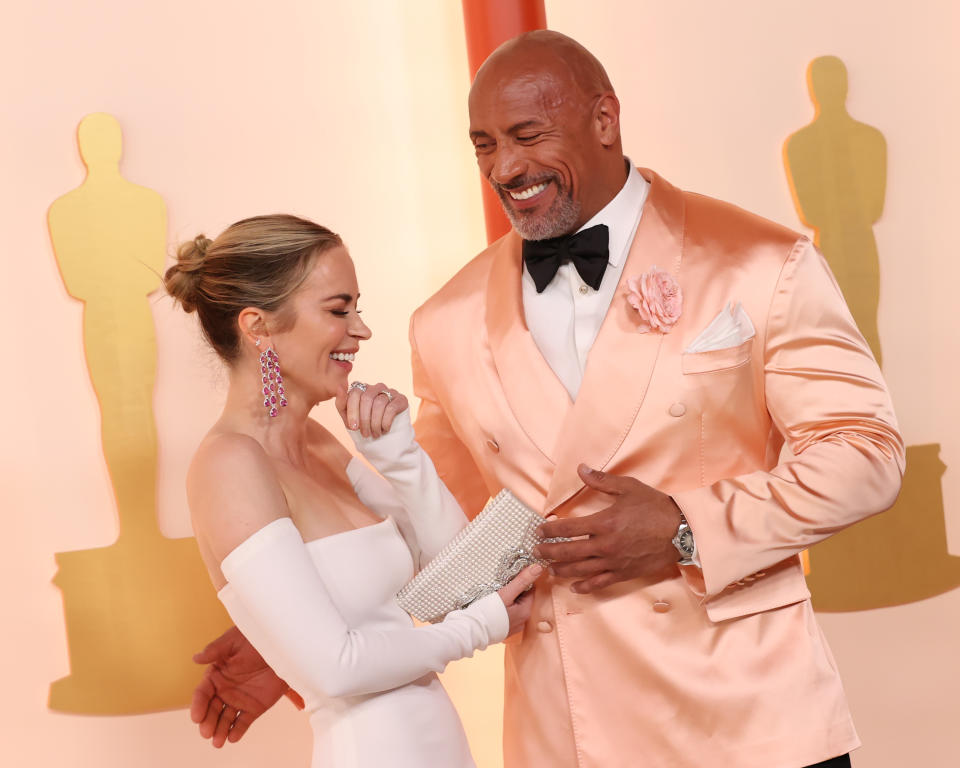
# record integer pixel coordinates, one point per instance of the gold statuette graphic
(138, 609)
(836, 168)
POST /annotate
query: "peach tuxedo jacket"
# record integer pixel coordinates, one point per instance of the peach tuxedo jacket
(767, 447)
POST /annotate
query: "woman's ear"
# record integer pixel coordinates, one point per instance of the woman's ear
(253, 328)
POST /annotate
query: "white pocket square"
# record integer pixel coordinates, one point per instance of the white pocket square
(730, 328)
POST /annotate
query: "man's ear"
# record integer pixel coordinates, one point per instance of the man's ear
(253, 328)
(607, 119)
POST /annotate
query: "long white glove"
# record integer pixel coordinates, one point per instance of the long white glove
(278, 600)
(432, 510)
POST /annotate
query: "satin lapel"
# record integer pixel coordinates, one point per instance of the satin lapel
(621, 361)
(538, 400)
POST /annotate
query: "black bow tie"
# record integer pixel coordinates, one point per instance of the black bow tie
(587, 250)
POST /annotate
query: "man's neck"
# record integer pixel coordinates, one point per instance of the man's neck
(613, 189)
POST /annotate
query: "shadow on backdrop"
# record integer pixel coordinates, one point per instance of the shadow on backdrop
(138, 609)
(836, 167)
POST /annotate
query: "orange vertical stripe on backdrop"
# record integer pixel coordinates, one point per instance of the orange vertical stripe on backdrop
(488, 23)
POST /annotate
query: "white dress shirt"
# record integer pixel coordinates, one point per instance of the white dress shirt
(564, 320)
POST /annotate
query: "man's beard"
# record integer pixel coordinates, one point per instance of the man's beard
(559, 219)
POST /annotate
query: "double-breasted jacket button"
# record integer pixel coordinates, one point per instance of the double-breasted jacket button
(662, 606)
(677, 409)
(493, 445)
(544, 626)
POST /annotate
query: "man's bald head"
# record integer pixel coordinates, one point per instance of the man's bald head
(544, 51)
(545, 124)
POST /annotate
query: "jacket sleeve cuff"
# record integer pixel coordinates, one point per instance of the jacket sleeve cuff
(692, 573)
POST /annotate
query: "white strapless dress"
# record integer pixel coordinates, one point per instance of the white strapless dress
(324, 616)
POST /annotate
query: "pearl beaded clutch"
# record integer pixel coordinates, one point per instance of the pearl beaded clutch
(493, 548)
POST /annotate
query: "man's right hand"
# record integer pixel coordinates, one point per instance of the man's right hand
(236, 688)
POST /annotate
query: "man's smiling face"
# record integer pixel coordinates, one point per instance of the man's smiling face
(531, 128)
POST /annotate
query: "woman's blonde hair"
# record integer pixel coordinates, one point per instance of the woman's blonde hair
(257, 262)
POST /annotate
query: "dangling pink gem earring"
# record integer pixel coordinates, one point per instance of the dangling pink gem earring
(273, 394)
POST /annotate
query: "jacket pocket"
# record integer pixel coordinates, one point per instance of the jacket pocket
(780, 585)
(716, 359)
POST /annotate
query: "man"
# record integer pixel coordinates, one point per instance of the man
(703, 353)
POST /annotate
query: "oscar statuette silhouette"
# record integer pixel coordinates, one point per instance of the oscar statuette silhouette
(138, 609)
(836, 168)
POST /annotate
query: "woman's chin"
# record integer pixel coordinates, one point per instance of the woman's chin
(326, 391)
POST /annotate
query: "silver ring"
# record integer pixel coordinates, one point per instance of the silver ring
(240, 712)
(387, 393)
(358, 385)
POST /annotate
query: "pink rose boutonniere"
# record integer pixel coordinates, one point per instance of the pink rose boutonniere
(657, 298)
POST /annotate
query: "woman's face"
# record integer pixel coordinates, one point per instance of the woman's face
(316, 352)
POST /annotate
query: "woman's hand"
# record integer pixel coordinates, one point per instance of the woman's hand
(518, 597)
(370, 408)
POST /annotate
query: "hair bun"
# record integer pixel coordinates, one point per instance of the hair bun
(201, 243)
(182, 280)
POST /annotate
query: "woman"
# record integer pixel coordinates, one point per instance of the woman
(306, 546)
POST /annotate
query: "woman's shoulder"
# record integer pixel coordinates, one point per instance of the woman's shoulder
(233, 489)
(221, 447)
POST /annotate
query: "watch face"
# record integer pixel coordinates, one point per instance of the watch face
(685, 541)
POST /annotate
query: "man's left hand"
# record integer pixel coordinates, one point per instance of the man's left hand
(235, 690)
(632, 538)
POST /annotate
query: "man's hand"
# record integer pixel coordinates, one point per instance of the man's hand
(631, 538)
(236, 688)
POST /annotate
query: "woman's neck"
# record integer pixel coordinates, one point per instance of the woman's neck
(283, 436)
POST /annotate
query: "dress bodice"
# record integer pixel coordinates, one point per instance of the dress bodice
(360, 634)
(323, 615)
(363, 570)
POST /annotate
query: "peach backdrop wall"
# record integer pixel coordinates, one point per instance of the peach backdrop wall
(353, 114)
